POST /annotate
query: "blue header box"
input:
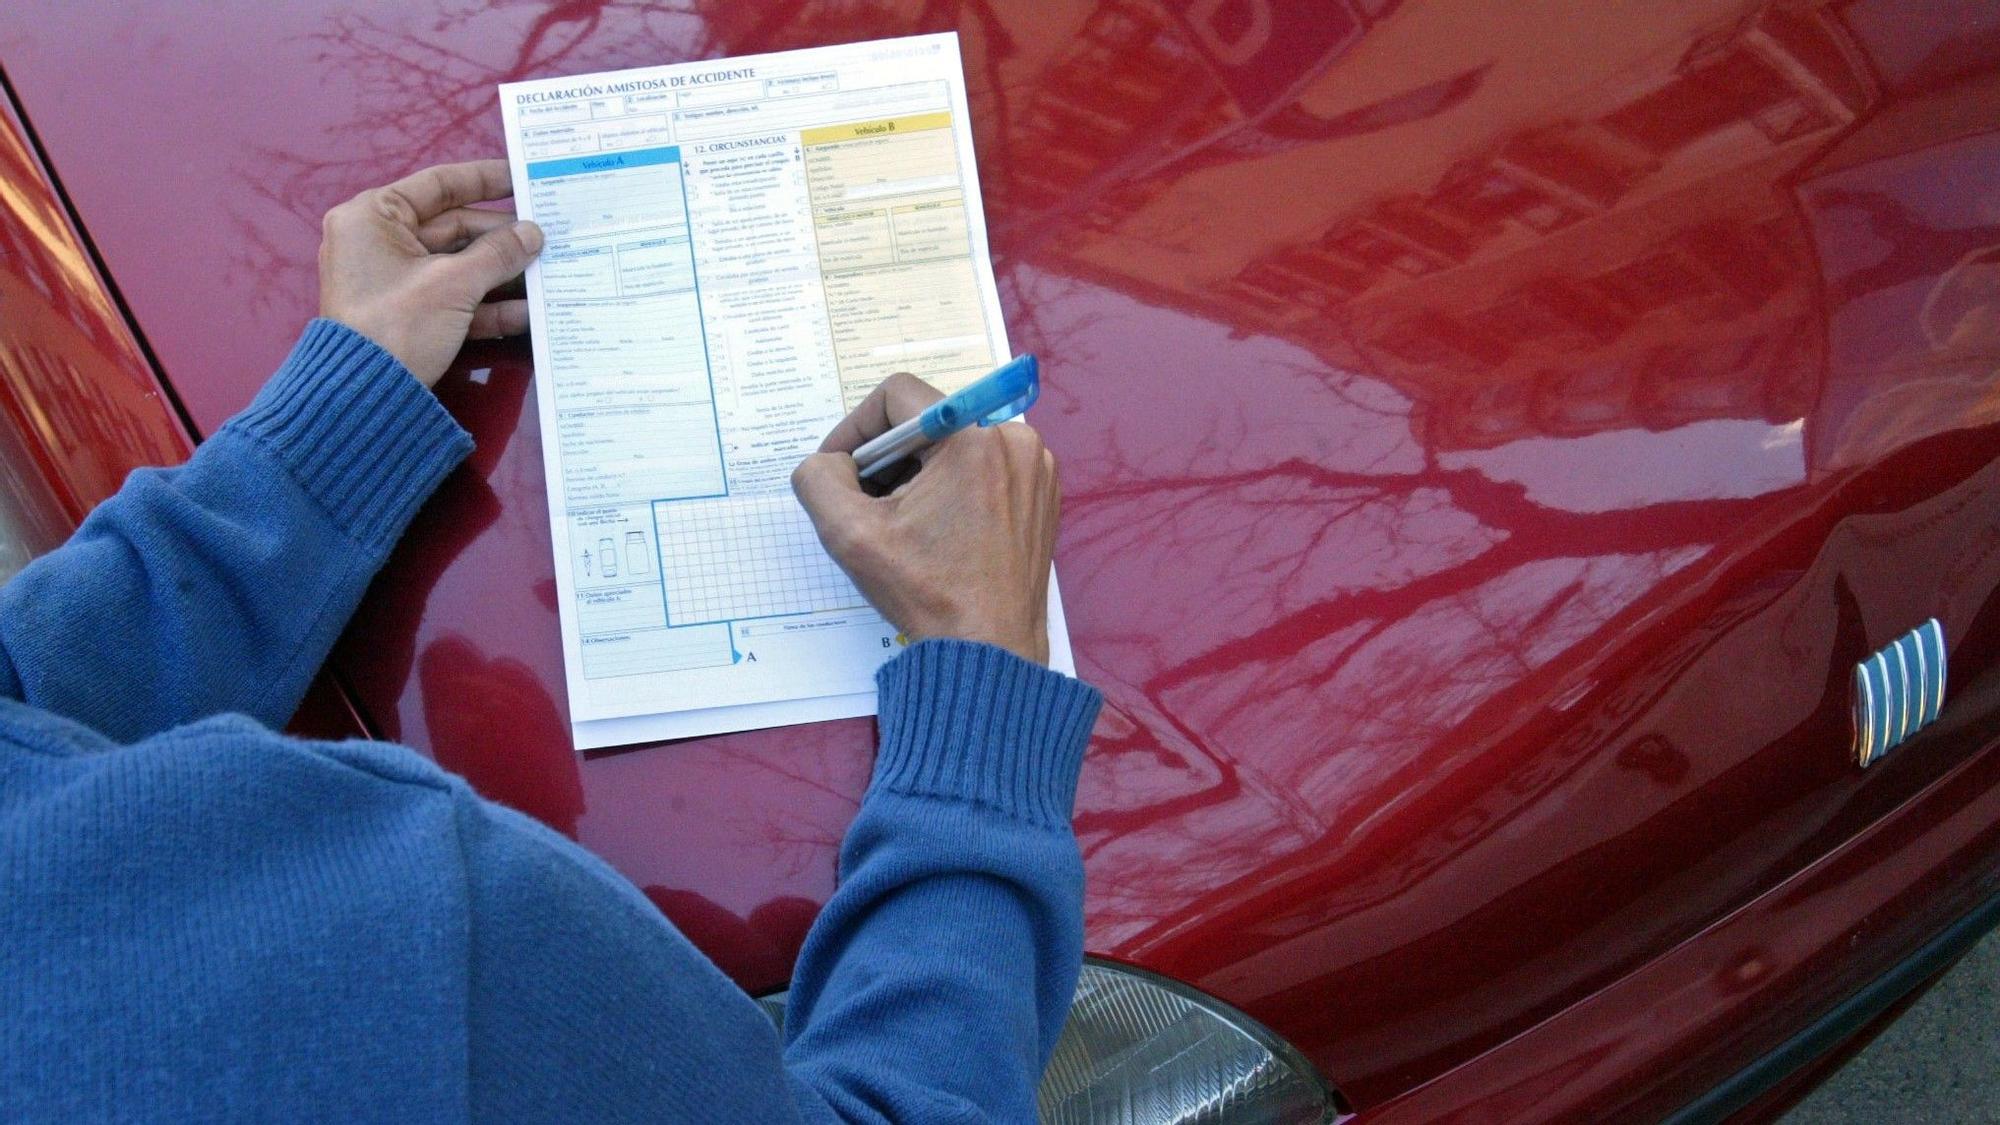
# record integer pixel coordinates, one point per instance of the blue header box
(604, 162)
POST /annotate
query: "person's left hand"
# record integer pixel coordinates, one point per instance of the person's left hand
(410, 265)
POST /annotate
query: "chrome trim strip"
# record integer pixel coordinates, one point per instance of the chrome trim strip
(1864, 718)
(1923, 680)
(1903, 696)
(1937, 631)
(1888, 704)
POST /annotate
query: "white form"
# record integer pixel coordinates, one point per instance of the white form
(738, 250)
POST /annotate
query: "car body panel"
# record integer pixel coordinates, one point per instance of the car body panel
(1491, 435)
(79, 405)
(1641, 1048)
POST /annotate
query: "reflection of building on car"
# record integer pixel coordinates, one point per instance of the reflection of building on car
(1913, 296)
(1522, 348)
(1964, 310)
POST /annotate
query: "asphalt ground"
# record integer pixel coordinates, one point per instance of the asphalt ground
(1940, 1063)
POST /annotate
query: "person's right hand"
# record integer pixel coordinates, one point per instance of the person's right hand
(961, 549)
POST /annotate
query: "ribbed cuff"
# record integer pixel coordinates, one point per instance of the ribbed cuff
(358, 432)
(974, 722)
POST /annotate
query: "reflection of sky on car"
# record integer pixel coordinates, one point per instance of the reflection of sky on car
(1723, 457)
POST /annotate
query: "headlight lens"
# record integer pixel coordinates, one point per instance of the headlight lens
(1140, 1049)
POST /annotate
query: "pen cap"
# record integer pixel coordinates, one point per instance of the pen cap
(1009, 390)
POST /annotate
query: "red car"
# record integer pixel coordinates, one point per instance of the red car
(1501, 441)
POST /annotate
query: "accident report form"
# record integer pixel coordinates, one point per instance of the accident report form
(737, 251)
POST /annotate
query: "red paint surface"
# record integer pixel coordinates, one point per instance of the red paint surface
(1488, 449)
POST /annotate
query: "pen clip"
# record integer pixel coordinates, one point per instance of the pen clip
(1020, 379)
(1009, 390)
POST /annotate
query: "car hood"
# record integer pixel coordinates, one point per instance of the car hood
(1488, 432)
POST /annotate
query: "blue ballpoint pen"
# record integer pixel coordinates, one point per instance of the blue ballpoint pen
(1008, 390)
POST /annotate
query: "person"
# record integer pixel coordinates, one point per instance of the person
(202, 919)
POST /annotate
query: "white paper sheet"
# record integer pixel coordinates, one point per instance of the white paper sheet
(738, 250)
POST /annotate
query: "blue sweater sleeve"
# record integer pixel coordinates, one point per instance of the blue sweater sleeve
(955, 935)
(221, 584)
(957, 930)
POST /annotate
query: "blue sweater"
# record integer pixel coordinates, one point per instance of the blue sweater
(201, 919)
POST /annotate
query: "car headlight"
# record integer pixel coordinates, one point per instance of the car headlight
(1140, 1049)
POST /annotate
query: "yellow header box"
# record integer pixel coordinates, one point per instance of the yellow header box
(887, 127)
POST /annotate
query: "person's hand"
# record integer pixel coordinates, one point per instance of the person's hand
(959, 550)
(410, 265)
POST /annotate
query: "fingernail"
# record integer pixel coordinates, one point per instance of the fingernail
(530, 234)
